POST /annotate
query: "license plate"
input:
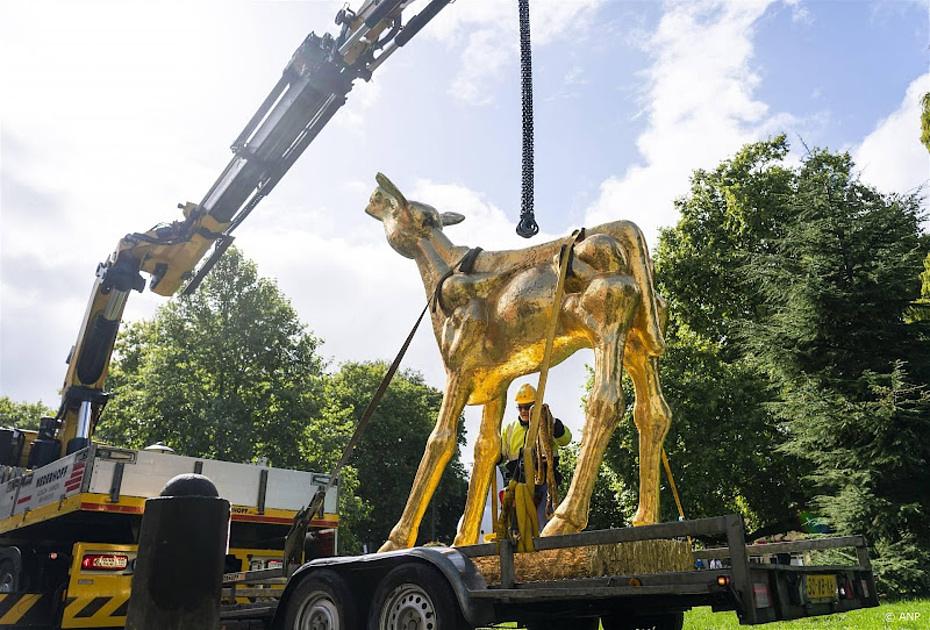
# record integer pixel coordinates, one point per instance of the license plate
(821, 588)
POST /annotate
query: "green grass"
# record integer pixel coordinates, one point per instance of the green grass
(903, 615)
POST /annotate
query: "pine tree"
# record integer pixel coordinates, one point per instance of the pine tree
(852, 373)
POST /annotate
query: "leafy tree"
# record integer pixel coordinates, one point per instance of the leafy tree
(925, 279)
(794, 377)
(22, 415)
(920, 310)
(925, 120)
(613, 500)
(722, 444)
(389, 452)
(730, 215)
(229, 373)
(870, 457)
(840, 279)
(851, 371)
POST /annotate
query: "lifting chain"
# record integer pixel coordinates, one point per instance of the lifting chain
(527, 226)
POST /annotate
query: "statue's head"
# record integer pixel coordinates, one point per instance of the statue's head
(405, 222)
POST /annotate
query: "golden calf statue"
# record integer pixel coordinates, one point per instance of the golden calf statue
(490, 322)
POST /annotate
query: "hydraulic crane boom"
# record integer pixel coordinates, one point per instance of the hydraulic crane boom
(312, 88)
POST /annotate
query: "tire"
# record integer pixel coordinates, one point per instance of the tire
(415, 596)
(7, 577)
(583, 623)
(668, 621)
(321, 601)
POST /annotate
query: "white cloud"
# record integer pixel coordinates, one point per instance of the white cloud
(489, 30)
(891, 157)
(800, 14)
(485, 224)
(362, 297)
(700, 107)
(365, 95)
(484, 58)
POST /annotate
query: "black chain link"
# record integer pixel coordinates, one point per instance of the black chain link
(527, 226)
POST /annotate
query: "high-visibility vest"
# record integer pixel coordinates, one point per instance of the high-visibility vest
(513, 438)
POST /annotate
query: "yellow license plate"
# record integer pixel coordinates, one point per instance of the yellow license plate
(821, 587)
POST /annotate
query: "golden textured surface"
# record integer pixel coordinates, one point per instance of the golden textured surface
(631, 558)
(490, 325)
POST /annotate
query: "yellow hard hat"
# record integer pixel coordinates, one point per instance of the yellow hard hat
(526, 395)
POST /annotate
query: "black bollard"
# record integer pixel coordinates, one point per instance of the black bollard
(182, 550)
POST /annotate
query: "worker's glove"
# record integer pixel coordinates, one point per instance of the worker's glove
(512, 466)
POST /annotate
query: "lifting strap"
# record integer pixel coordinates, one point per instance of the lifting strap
(294, 543)
(466, 265)
(518, 498)
(544, 447)
(671, 483)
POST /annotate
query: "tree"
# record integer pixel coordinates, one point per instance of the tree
(925, 120)
(722, 444)
(613, 500)
(22, 415)
(229, 373)
(795, 371)
(851, 370)
(389, 452)
(925, 280)
(920, 309)
(730, 215)
(836, 285)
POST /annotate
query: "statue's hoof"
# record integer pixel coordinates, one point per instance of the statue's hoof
(461, 541)
(558, 526)
(641, 518)
(390, 545)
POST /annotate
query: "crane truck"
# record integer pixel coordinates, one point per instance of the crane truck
(70, 508)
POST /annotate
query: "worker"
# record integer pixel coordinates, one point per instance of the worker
(513, 439)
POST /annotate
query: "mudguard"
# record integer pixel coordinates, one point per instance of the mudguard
(458, 570)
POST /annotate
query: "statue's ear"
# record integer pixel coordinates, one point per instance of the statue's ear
(451, 218)
(389, 187)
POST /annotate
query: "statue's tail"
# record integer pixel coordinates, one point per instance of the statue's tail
(650, 320)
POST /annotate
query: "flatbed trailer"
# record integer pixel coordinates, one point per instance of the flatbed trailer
(439, 588)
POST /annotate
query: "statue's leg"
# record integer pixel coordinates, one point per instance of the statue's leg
(607, 306)
(487, 452)
(650, 316)
(652, 418)
(439, 450)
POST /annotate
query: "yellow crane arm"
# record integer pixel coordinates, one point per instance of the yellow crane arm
(312, 87)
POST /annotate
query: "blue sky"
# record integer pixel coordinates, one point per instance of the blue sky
(112, 112)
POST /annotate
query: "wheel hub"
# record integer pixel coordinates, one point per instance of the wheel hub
(318, 613)
(408, 608)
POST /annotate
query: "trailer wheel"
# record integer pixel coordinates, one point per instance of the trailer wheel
(322, 601)
(7, 577)
(668, 621)
(415, 596)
